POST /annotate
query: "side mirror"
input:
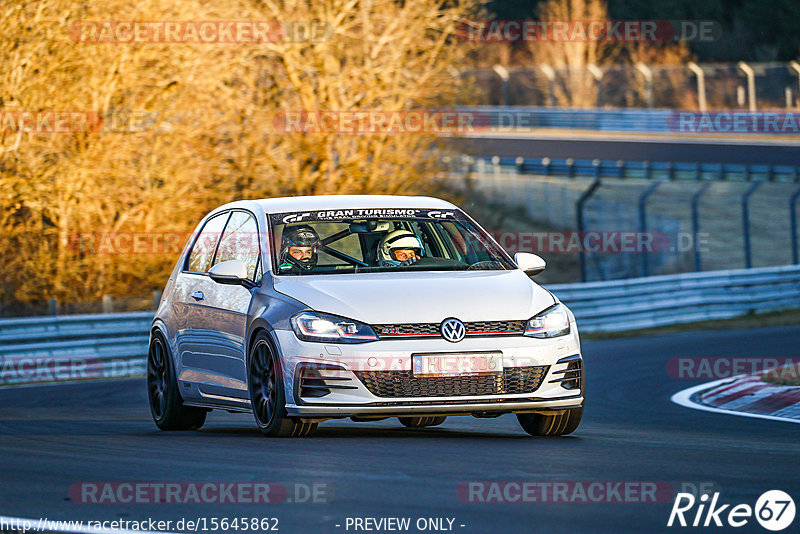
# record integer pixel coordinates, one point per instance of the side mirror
(530, 263)
(232, 272)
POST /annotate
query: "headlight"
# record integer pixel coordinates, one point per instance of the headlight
(326, 328)
(552, 322)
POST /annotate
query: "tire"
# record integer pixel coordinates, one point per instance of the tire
(166, 404)
(419, 422)
(267, 397)
(537, 424)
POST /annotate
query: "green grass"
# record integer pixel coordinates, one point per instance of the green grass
(787, 375)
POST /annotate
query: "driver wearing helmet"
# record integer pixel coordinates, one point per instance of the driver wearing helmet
(299, 250)
(400, 247)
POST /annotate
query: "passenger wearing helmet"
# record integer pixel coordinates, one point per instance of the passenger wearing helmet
(299, 249)
(400, 247)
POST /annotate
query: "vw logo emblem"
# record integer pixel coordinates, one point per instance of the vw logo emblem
(453, 330)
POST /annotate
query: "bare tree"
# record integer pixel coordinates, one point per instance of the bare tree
(186, 127)
(575, 85)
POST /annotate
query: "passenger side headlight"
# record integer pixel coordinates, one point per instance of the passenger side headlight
(553, 322)
(326, 328)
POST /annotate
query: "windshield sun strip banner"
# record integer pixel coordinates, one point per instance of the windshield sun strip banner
(357, 214)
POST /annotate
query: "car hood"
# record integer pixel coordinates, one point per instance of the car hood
(420, 297)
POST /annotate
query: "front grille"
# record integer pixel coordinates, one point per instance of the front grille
(404, 384)
(474, 328)
(406, 330)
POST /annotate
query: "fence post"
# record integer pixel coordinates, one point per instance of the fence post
(648, 83)
(701, 85)
(620, 169)
(597, 74)
(469, 162)
(504, 76)
(643, 222)
(751, 85)
(748, 259)
(520, 161)
(52, 306)
(546, 165)
(579, 213)
(550, 73)
(696, 224)
(108, 304)
(570, 168)
(795, 66)
(793, 223)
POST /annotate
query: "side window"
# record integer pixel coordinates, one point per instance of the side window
(240, 242)
(203, 249)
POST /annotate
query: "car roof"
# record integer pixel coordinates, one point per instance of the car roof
(333, 202)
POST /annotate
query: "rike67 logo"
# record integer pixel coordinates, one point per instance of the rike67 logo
(774, 510)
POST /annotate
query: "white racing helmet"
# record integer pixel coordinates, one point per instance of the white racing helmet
(397, 240)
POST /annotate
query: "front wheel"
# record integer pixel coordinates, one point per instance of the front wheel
(419, 422)
(267, 395)
(537, 424)
(166, 404)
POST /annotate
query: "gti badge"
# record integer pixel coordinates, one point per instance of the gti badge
(453, 330)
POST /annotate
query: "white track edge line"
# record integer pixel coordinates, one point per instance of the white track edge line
(683, 398)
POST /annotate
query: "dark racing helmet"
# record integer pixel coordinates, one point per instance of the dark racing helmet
(299, 236)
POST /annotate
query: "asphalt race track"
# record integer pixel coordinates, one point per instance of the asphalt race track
(635, 148)
(55, 436)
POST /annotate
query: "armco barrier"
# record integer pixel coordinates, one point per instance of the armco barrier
(73, 347)
(516, 118)
(52, 349)
(680, 298)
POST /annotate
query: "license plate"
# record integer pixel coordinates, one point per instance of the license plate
(456, 364)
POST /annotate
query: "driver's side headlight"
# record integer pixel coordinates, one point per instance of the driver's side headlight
(327, 328)
(553, 322)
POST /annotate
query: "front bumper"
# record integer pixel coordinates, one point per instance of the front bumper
(346, 395)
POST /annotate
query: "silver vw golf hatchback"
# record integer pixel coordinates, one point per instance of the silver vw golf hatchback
(305, 309)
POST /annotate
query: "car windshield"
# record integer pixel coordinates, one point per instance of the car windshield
(379, 240)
